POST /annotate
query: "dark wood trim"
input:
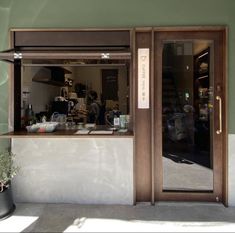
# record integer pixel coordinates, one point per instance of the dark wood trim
(143, 29)
(73, 55)
(131, 77)
(74, 65)
(219, 90)
(11, 88)
(142, 132)
(132, 104)
(72, 38)
(137, 29)
(152, 104)
(158, 116)
(7, 56)
(189, 28)
(186, 196)
(17, 95)
(171, 35)
(64, 134)
(68, 29)
(225, 135)
(220, 141)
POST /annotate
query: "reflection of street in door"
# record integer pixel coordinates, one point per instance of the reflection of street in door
(203, 112)
(186, 118)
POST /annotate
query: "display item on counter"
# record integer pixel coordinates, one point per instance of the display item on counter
(56, 117)
(122, 121)
(64, 92)
(70, 106)
(116, 122)
(46, 127)
(112, 116)
(73, 95)
(29, 115)
(59, 98)
(44, 119)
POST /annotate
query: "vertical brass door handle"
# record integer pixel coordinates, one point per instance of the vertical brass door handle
(219, 131)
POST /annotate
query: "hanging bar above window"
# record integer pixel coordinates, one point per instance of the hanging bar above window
(64, 55)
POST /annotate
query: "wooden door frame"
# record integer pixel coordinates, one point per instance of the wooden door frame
(142, 126)
(157, 176)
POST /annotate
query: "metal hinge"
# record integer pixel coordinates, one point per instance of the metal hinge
(18, 55)
(105, 55)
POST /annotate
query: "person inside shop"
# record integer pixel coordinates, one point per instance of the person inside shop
(111, 114)
(94, 109)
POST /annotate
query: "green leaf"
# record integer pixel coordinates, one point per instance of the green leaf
(7, 168)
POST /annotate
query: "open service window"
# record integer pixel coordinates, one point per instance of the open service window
(59, 89)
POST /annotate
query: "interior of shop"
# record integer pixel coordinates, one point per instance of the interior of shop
(75, 94)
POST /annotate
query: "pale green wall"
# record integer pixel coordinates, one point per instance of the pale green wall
(115, 13)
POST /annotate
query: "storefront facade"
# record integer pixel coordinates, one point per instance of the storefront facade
(144, 160)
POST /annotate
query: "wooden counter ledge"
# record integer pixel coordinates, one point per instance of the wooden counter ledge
(64, 134)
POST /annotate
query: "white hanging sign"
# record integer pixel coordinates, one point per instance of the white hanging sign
(143, 78)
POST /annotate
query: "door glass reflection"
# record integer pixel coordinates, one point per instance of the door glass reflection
(187, 115)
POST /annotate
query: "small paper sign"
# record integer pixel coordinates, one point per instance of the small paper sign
(143, 78)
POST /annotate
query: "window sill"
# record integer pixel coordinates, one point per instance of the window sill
(65, 134)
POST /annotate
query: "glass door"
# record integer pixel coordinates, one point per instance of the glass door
(189, 109)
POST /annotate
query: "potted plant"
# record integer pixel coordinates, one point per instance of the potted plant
(7, 171)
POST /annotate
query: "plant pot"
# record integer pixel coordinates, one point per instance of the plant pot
(7, 206)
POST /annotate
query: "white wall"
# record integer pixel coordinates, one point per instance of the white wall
(78, 170)
(40, 94)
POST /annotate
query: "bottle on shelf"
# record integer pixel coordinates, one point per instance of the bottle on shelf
(29, 115)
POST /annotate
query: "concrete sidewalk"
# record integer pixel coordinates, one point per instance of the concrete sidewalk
(163, 217)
